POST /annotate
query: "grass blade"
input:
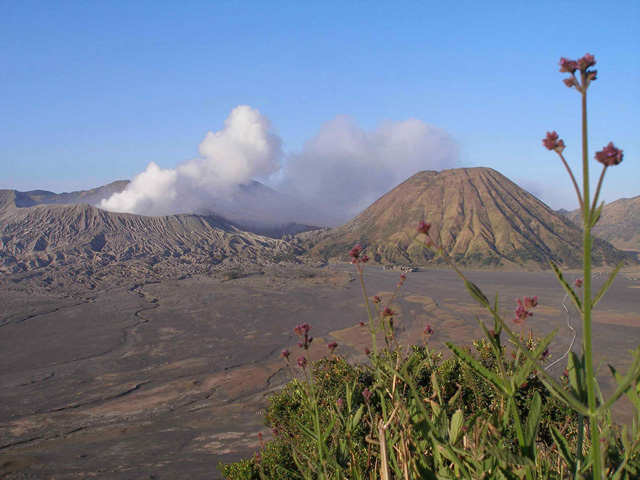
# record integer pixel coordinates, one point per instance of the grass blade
(574, 298)
(606, 285)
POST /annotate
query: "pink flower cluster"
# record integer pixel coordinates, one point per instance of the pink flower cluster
(366, 393)
(424, 227)
(356, 255)
(523, 310)
(582, 65)
(303, 332)
(552, 142)
(609, 155)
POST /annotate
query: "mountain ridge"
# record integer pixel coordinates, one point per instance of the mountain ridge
(84, 236)
(484, 219)
(252, 207)
(619, 223)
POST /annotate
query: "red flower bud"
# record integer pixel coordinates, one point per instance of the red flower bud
(551, 142)
(609, 155)
(568, 66)
(354, 253)
(585, 62)
(423, 227)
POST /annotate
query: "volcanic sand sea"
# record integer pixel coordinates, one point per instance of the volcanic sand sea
(163, 380)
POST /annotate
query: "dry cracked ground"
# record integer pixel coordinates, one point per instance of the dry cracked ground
(166, 379)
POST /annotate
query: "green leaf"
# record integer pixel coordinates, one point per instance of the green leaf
(478, 368)
(455, 455)
(358, 415)
(574, 298)
(624, 385)
(576, 376)
(425, 472)
(563, 448)
(436, 386)
(308, 432)
(595, 216)
(476, 293)
(330, 427)
(533, 421)
(507, 457)
(606, 285)
(457, 420)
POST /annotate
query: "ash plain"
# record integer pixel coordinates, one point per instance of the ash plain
(163, 378)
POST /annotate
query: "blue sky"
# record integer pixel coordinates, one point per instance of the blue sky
(91, 92)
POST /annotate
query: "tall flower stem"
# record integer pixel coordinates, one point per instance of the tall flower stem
(586, 306)
(372, 327)
(597, 194)
(573, 179)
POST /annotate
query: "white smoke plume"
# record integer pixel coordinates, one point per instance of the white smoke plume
(338, 172)
(343, 169)
(243, 150)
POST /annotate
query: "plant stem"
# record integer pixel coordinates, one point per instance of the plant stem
(595, 197)
(573, 179)
(311, 391)
(366, 302)
(586, 305)
(579, 446)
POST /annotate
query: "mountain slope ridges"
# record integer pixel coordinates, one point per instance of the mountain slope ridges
(253, 207)
(483, 219)
(619, 223)
(41, 235)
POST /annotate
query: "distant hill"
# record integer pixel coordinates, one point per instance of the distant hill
(87, 237)
(619, 223)
(484, 219)
(253, 207)
(92, 197)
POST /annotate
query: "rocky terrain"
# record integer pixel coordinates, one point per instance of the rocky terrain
(253, 207)
(53, 243)
(483, 219)
(619, 223)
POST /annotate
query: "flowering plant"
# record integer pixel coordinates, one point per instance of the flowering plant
(496, 413)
